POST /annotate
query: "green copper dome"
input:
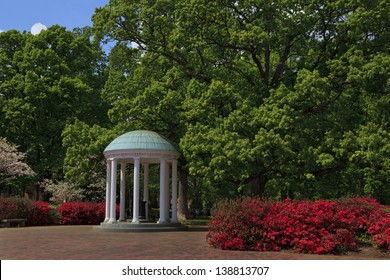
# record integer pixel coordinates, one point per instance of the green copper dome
(141, 140)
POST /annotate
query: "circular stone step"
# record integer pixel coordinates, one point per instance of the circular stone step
(141, 227)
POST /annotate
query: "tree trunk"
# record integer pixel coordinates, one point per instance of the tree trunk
(182, 211)
(258, 185)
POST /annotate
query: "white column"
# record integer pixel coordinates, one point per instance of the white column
(163, 218)
(122, 215)
(136, 192)
(108, 190)
(146, 190)
(174, 191)
(167, 200)
(113, 192)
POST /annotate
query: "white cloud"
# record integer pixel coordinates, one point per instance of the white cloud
(37, 28)
(1, 30)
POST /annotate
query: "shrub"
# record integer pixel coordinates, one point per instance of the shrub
(238, 224)
(380, 228)
(82, 213)
(8, 208)
(41, 215)
(310, 227)
(37, 213)
(15, 207)
(54, 215)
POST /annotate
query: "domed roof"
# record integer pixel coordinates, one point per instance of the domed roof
(141, 140)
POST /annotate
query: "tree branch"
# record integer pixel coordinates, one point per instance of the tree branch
(259, 66)
(283, 59)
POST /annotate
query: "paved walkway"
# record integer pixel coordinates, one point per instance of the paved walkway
(84, 243)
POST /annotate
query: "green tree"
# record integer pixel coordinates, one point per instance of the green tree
(47, 81)
(280, 98)
(84, 164)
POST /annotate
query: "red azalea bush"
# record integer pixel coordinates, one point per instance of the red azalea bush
(15, 208)
(238, 225)
(311, 227)
(41, 214)
(82, 213)
(380, 229)
(8, 208)
(37, 213)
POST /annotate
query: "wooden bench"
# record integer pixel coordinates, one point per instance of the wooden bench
(13, 223)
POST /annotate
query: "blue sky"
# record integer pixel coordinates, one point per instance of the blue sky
(23, 14)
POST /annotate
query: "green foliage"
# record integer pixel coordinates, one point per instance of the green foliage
(84, 150)
(278, 98)
(46, 81)
(84, 163)
(281, 98)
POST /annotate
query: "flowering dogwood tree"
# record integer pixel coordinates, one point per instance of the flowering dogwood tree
(11, 162)
(63, 191)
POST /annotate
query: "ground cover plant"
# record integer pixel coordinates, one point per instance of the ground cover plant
(317, 227)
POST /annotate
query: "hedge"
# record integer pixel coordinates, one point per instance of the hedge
(317, 227)
(43, 213)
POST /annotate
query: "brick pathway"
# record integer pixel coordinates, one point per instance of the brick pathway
(84, 243)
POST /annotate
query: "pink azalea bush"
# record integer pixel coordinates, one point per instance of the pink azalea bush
(318, 227)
